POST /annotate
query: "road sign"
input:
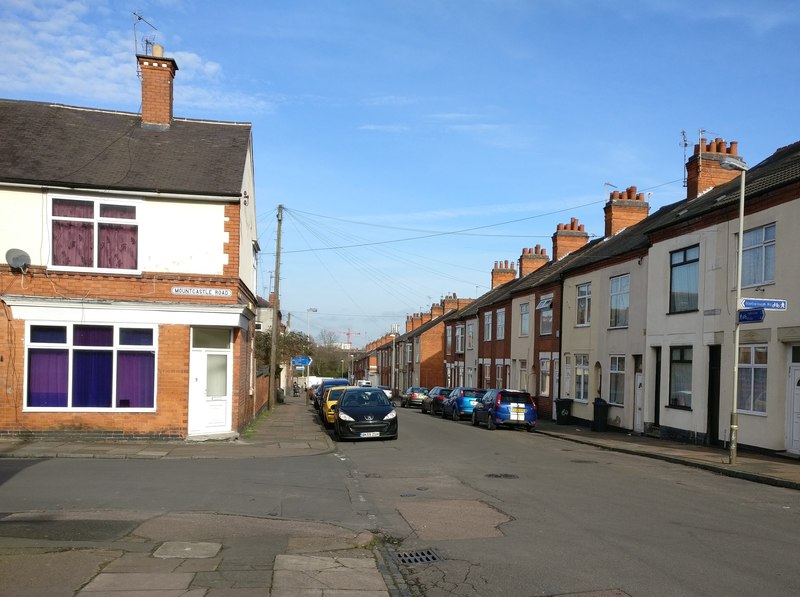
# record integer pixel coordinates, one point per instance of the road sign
(751, 315)
(768, 304)
(301, 361)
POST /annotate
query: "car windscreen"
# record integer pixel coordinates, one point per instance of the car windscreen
(364, 398)
(334, 394)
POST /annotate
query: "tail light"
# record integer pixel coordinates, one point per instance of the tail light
(499, 400)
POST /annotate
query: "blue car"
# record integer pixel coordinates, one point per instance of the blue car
(460, 402)
(510, 408)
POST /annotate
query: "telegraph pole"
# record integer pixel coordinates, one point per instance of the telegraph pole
(273, 345)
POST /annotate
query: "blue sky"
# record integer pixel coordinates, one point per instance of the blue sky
(413, 143)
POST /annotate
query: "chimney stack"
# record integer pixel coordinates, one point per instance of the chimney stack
(157, 75)
(568, 238)
(703, 171)
(502, 272)
(624, 209)
(531, 260)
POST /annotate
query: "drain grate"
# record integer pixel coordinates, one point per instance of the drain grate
(420, 556)
(502, 476)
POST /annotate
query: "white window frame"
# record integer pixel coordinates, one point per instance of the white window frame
(583, 304)
(582, 377)
(544, 375)
(524, 319)
(523, 375)
(545, 309)
(96, 221)
(616, 373)
(501, 325)
(487, 326)
(460, 338)
(759, 249)
(619, 289)
(69, 346)
(748, 368)
(470, 335)
(448, 339)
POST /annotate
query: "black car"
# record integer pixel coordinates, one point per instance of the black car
(365, 413)
(432, 403)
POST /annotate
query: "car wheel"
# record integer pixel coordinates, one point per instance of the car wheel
(474, 420)
(490, 424)
(531, 428)
(455, 415)
(422, 409)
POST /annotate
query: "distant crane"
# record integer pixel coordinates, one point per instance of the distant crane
(349, 333)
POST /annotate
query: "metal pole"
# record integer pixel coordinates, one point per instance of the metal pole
(273, 345)
(735, 402)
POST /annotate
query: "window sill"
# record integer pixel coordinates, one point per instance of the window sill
(683, 312)
(618, 327)
(751, 413)
(678, 407)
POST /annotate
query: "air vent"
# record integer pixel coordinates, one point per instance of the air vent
(259, 326)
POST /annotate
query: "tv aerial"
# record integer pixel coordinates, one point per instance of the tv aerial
(18, 259)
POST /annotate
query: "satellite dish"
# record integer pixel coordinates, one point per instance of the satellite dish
(18, 259)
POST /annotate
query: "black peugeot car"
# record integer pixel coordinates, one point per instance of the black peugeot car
(365, 413)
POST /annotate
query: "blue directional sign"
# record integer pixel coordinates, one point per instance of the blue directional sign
(301, 361)
(751, 315)
(768, 304)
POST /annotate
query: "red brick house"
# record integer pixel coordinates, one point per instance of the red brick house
(128, 292)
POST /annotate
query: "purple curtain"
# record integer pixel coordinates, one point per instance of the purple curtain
(118, 246)
(91, 378)
(135, 379)
(93, 335)
(47, 377)
(73, 243)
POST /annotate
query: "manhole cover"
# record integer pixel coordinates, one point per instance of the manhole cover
(420, 556)
(502, 476)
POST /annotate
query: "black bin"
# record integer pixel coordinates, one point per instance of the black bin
(563, 411)
(600, 422)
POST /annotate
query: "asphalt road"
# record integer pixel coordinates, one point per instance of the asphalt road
(504, 512)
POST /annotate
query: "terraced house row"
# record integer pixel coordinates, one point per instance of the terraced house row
(644, 318)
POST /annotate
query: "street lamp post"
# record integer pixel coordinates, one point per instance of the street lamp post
(731, 163)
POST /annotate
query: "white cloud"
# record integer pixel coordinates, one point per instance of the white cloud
(55, 51)
(384, 128)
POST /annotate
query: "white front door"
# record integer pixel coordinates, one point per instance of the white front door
(210, 368)
(794, 401)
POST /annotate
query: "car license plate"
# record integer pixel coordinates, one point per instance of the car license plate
(370, 434)
(518, 410)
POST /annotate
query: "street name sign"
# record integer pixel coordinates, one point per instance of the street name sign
(760, 303)
(751, 315)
